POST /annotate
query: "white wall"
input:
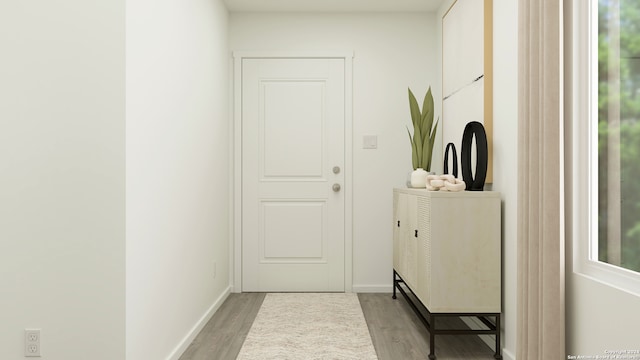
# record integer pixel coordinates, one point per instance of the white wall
(600, 317)
(393, 51)
(62, 180)
(505, 155)
(176, 172)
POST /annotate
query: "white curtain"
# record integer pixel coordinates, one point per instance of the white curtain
(541, 290)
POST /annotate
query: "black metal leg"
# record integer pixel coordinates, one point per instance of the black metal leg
(394, 285)
(498, 354)
(432, 337)
(429, 320)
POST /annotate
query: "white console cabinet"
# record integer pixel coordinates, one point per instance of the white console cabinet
(447, 250)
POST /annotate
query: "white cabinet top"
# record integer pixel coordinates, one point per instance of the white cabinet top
(444, 194)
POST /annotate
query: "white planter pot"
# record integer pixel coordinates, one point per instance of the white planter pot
(418, 178)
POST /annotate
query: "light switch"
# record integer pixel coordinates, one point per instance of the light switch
(370, 142)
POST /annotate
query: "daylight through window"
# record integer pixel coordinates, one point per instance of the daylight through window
(618, 126)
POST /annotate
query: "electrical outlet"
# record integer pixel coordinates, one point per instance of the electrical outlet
(32, 336)
(32, 342)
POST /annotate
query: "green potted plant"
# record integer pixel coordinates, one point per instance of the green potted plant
(423, 138)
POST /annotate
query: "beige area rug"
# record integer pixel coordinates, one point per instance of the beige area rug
(309, 326)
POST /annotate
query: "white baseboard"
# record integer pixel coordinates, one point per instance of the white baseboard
(372, 288)
(507, 355)
(195, 330)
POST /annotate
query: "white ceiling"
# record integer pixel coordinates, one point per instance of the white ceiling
(333, 5)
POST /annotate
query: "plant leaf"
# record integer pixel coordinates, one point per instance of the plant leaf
(416, 117)
(427, 103)
(426, 125)
(414, 154)
(432, 141)
(426, 155)
(427, 114)
(417, 142)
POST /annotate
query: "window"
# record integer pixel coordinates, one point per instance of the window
(606, 141)
(618, 127)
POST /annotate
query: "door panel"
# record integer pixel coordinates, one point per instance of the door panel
(293, 136)
(293, 231)
(293, 119)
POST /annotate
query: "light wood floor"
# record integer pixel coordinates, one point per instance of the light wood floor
(396, 332)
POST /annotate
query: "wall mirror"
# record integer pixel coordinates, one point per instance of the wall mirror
(467, 73)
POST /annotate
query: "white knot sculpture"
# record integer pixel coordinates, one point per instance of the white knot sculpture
(445, 182)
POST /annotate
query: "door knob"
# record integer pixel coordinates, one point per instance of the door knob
(336, 187)
(336, 169)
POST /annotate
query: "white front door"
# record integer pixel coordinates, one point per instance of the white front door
(293, 156)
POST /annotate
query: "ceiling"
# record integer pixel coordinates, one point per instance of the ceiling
(332, 5)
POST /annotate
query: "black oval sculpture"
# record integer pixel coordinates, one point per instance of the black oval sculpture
(455, 159)
(476, 183)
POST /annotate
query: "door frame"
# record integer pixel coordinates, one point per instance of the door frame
(235, 175)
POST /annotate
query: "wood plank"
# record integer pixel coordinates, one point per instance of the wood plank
(224, 334)
(397, 333)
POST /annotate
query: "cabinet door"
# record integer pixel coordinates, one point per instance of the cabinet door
(411, 243)
(400, 233)
(423, 287)
(402, 229)
(405, 241)
(397, 222)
